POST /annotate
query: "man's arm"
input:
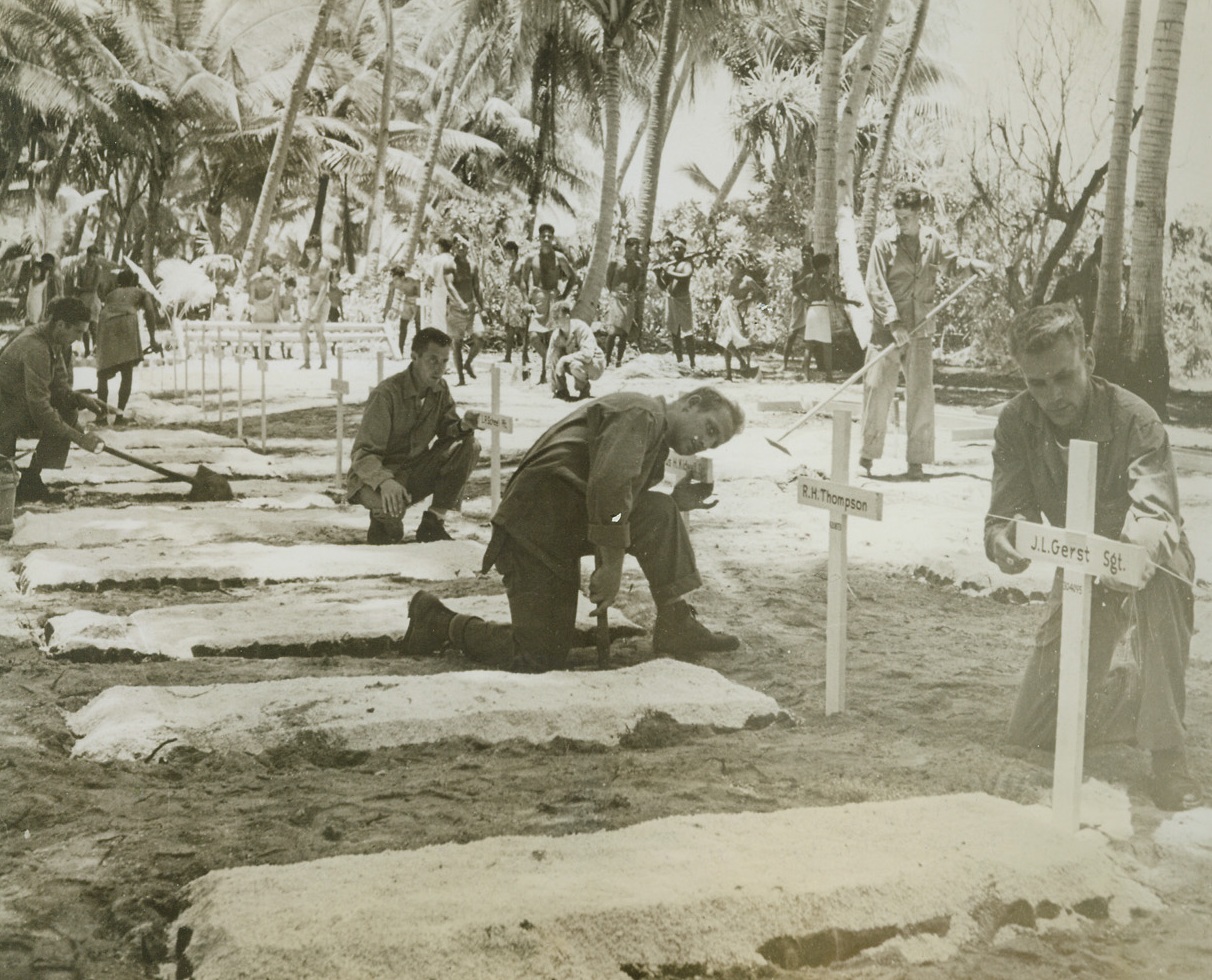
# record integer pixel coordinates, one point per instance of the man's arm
(448, 279)
(618, 442)
(475, 286)
(42, 387)
(1012, 497)
(949, 261)
(391, 295)
(371, 442)
(566, 269)
(882, 254)
(1152, 520)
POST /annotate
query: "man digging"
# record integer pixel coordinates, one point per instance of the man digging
(412, 443)
(1137, 502)
(36, 397)
(586, 486)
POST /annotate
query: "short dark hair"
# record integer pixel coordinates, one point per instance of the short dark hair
(821, 260)
(313, 241)
(67, 309)
(511, 246)
(445, 243)
(1040, 327)
(546, 226)
(290, 281)
(712, 398)
(93, 249)
(631, 240)
(429, 337)
(126, 277)
(398, 270)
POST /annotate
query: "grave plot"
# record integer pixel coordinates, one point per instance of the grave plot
(211, 566)
(363, 620)
(192, 524)
(680, 896)
(381, 711)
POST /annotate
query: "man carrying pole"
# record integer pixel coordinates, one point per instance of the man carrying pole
(901, 281)
(1137, 502)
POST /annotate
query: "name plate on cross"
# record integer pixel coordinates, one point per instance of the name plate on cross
(696, 467)
(842, 498)
(501, 423)
(1089, 554)
(340, 386)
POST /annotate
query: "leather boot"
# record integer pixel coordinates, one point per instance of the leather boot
(428, 626)
(678, 632)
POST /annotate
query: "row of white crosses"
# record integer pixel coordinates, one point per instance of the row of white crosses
(1082, 554)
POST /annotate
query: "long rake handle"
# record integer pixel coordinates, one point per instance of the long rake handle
(861, 372)
(146, 464)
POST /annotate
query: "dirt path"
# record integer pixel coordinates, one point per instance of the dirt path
(94, 855)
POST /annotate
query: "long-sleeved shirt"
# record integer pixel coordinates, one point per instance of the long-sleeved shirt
(400, 423)
(580, 480)
(578, 340)
(34, 378)
(901, 287)
(1137, 492)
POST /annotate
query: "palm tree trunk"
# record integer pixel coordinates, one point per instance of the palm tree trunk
(1148, 369)
(374, 217)
(251, 260)
(871, 190)
(634, 146)
(662, 72)
(657, 110)
(413, 238)
(595, 275)
(824, 206)
(675, 97)
(1109, 305)
(317, 214)
(730, 178)
(849, 267)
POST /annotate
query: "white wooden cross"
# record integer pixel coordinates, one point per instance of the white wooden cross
(240, 358)
(218, 348)
(379, 367)
(262, 366)
(843, 501)
(497, 423)
(341, 388)
(1084, 556)
(202, 385)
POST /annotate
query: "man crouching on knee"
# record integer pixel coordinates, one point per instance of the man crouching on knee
(412, 443)
(585, 487)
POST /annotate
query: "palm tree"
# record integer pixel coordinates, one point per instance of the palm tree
(412, 238)
(883, 149)
(374, 218)
(613, 16)
(1109, 305)
(849, 267)
(1148, 369)
(824, 207)
(251, 260)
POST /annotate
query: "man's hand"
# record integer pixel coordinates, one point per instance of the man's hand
(688, 495)
(1005, 554)
(1147, 573)
(606, 578)
(899, 334)
(92, 443)
(93, 403)
(395, 497)
(471, 420)
(982, 267)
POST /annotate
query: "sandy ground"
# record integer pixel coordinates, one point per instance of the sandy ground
(96, 856)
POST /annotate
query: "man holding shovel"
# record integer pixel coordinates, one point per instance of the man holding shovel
(901, 279)
(36, 397)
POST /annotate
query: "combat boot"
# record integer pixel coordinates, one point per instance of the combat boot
(428, 626)
(432, 529)
(678, 633)
(389, 531)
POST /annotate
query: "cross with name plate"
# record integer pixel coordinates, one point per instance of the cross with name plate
(843, 501)
(1084, 556)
